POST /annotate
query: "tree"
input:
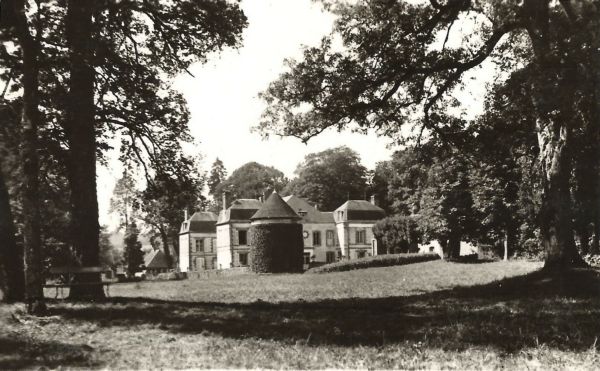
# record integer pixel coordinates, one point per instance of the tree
(505, 186)
(118, 56)
(11, 254)
(166, 197)
(252, 180)
(446, 205)
(379, 184)
(12, 282)
(399, 65)
(397, 234)
(133, 254)
(124, 199)
(330, 178)
(218, 174)
(29, 46)
(109, 256)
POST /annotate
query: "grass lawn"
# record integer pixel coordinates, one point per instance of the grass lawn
(426, 315)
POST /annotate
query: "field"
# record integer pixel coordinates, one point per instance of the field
(426, 315)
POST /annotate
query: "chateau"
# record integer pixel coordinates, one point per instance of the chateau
(210, 242)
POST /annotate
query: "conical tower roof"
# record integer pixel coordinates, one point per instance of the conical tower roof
(275, 208)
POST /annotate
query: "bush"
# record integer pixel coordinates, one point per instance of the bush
(276, 248)
(374, 261)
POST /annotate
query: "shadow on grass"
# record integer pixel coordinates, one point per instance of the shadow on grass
(17, 353)
(560, 311)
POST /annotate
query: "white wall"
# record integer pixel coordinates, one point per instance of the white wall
(184, 252)
(223, 246)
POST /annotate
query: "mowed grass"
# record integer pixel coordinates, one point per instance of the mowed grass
(427, 315)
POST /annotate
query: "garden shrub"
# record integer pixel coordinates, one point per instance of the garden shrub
(374, 261)
(276, 248)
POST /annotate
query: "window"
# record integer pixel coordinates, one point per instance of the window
(330, 256)
(317, 238)
(243, 257)
(360, 254)
(329, 237)
(242, 237)
(361, 237)
(199, 245)
(307, 258)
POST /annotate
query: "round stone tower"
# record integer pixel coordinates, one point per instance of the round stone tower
(276, 239)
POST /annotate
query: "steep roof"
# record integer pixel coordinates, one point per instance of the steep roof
(307, 212)
(200, 222)
(275, 208)
(155, 259)
(359, 210)
(241, 209)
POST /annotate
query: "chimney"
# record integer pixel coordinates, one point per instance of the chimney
(185, 215)
(224, 200)
(373, 199)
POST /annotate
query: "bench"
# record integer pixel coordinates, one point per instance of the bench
(68, 278)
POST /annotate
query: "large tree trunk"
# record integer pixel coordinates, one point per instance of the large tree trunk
(454, 245)
(30, 118)
(595, 247)
(82, 145)
(11, 257)
(554, 80)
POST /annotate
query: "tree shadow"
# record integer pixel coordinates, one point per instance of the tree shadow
(558, 310)
(20, 353)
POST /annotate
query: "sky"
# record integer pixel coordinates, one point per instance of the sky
(222, 95)
(223, 98)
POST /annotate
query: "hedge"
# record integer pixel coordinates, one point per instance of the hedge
(276, 248)
(374, 261)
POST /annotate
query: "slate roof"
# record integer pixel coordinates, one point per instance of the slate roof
(275, 208)
(307, 212)
(359, 210)
(240, 210)
(155, 259)
(200, 222)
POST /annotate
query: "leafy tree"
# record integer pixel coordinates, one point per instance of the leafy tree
(218, 174)
(11, 266)
(398, 65)
(111, 83)
(124, 199)
(397, 234)
(329, 178)
(15, 21)
(446, 206)
(133, 254)
(505, 186)
(379, 184)
(165, 198)
(109, 256)
(252, 180)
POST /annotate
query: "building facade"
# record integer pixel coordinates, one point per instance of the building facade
(346, 232)
(321, 243)
(233, 249)
(198, 242)
(354, 222)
